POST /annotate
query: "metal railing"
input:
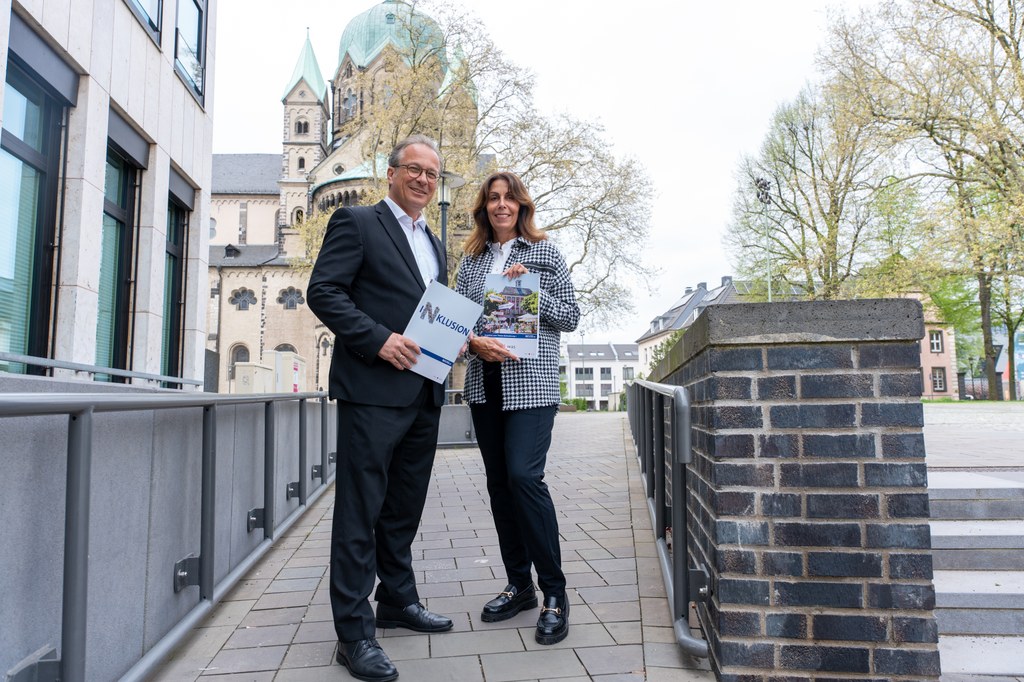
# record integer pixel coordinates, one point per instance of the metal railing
(192, 570)
(655, 443)
(49, 363)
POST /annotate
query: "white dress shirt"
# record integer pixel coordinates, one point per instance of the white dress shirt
(500, 253)
(419, 241)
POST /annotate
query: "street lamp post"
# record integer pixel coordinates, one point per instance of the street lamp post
(764, 196)
(446, 183)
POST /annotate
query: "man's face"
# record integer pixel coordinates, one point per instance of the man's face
(408, 185)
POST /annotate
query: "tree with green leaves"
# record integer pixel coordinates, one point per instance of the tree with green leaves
(944, 82)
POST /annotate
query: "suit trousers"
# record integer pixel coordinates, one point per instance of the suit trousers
(514, 446)
(385, 455)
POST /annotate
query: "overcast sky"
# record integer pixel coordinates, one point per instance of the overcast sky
(684, 87)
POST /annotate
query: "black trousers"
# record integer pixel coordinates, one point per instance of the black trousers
(514, 445)
(385, 455)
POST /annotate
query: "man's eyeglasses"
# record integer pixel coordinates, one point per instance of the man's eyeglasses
(415, 171)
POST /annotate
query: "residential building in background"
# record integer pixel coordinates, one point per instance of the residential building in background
(104, 189)
(938, 345)
(598, 372)
(682, 314)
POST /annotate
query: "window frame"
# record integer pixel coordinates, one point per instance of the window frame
(938, 380)
(173, 336)
(47, 163)
(197, 90)
(935, 341)
(125, 213)
(155, 30)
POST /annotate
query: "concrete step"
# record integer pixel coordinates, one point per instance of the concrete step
(973, 657)
(978, 545)
(977, 508)
(964, 495)
(979, 603)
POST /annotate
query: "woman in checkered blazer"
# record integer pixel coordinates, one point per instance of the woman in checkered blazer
(514, 401)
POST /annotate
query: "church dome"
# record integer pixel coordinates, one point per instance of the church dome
(390, 22)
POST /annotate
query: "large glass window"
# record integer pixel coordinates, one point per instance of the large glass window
(116, 241)
(190, 46)
(174, 298)
(29, 166)
(148, 12)
(584, 374)
(606, 373)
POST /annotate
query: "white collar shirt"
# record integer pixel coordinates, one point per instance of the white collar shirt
(500, 252)
(419, 241)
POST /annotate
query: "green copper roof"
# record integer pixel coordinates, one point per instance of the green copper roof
(363, 171)
(307, 69)
(388, 22)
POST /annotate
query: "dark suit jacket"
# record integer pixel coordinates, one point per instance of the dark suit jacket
(364, 286)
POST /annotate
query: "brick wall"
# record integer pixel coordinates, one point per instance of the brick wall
(808, 489)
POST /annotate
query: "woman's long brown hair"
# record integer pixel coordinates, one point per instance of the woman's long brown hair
(525, 226)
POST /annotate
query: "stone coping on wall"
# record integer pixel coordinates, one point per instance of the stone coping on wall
(883, 319)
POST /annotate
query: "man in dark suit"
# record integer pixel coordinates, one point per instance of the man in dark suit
(373, 267)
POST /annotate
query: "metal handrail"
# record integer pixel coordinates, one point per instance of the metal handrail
(50, 363)
(80, 409)
(645, 406)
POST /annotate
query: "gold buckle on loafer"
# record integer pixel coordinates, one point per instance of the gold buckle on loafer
(557, 612)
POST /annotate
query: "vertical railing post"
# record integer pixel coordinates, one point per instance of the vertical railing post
(681, 456)
(324, 437)
(656, 481)
(208, 512)
(648, 439)
(76, 547)
(642, 429)
(303, 474)
(269, 469)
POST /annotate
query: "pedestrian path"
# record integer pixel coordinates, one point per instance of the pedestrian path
(276, 624)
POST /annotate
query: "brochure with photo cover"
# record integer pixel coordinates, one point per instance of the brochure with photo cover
(441, 324)
(511, 312)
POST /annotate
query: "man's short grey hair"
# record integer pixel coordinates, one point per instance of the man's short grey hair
(396, 153)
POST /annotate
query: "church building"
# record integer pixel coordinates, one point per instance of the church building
(334, 147)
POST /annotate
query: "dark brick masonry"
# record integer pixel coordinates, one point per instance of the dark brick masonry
(807, 492)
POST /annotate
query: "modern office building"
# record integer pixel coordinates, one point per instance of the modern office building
(105, 190)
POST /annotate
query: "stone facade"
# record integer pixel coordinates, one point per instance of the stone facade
(128, 79)
(257, 304)
(808, 489)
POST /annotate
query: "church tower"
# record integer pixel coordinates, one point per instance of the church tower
(306, 128)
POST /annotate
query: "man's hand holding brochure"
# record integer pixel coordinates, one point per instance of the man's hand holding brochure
(440, 326)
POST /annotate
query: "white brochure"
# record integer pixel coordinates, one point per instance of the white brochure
(441, 324)
(512, 312)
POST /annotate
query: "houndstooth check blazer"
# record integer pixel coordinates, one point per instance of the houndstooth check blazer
(529, 382)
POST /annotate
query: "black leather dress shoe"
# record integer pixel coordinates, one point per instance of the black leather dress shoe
(414, 616)
(365, 660)
(509, 603)
(553, 624)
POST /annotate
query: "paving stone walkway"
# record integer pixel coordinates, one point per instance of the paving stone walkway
(276, 624)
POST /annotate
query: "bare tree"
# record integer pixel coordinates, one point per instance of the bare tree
(451, 81)
(804, 206)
